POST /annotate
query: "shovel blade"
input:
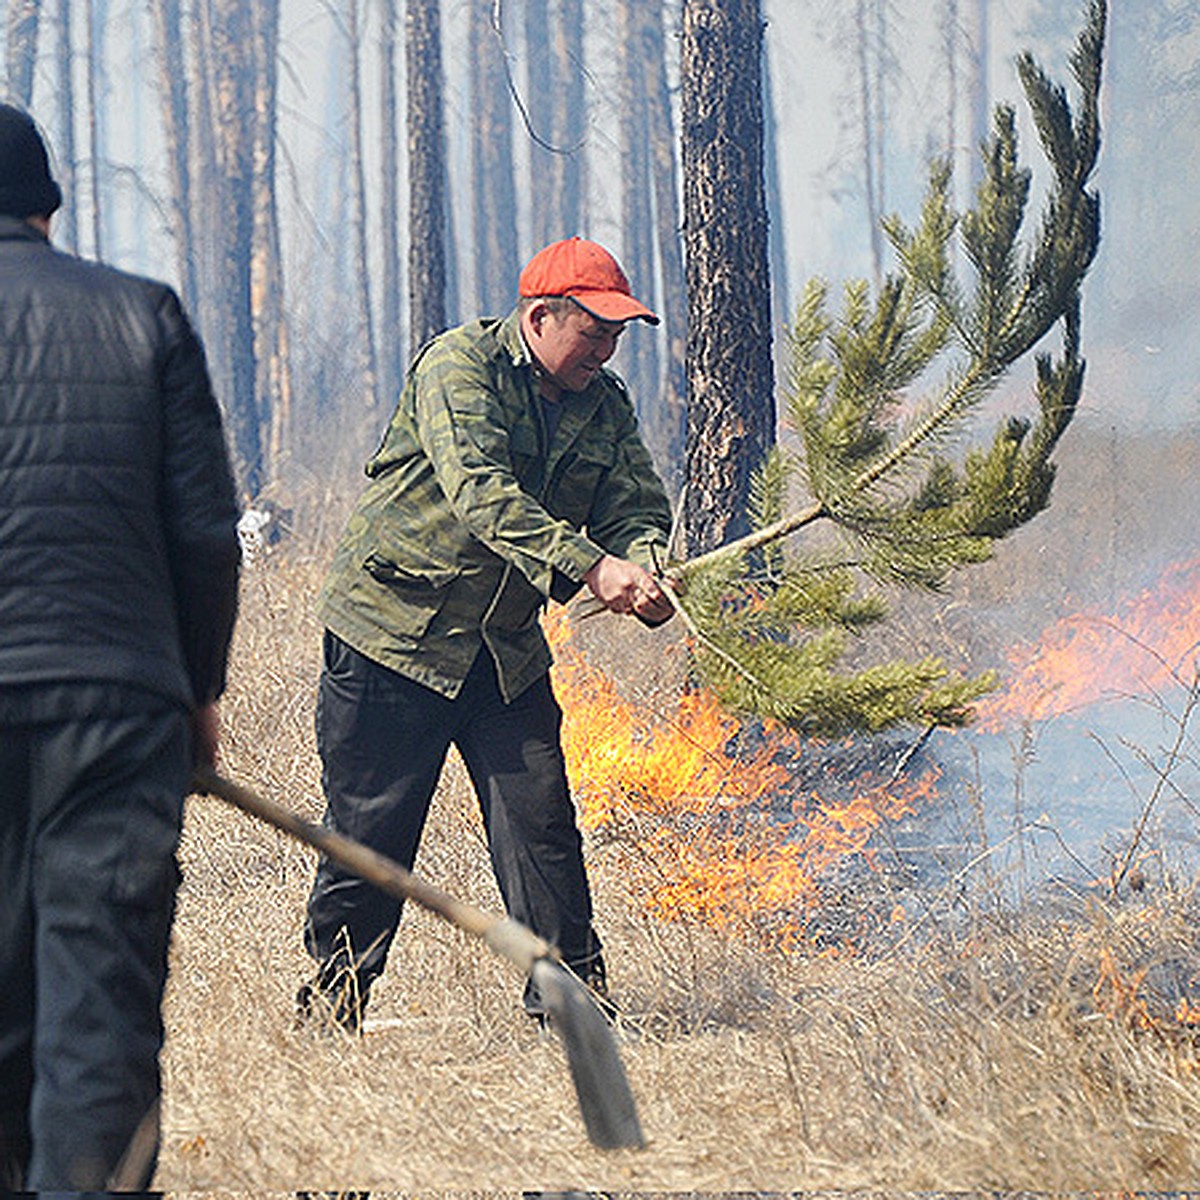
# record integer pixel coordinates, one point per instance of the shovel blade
(605, 1099)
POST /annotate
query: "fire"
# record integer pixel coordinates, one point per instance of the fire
(722, 833)
(1092, 656)
(1120, 995)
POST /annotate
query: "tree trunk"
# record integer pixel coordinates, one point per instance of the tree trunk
(427, 203)
(95, 154)
(391, 343)
(176, 133)
(358, 216)
(776, 244)
(870, 99)
(273, 385)
(638, 353)
(978, 88)
(68, 220)
(950, 35)
(21, 34)
(206, 193)
(731, 403)
(669, 426)
(231, 30)
(495, 201)
(567, 192)
(541, 104)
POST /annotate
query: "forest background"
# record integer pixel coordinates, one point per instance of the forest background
(562, 117)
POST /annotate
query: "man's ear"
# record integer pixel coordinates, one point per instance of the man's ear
(538, 311)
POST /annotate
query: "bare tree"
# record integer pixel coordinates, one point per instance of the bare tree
(95, 41)
(776, 247)
(541, 103)
(493, 187)
(567, 190)
(634, 29)
(978, 87)
(176, 125)
(875, 69)
(230, 180)
(556, 118)
(391, 344)
(731, 403)
(67, 150)
(668, 425)
(273, 384)
(21, 35)
(950, 37)
(426, 172)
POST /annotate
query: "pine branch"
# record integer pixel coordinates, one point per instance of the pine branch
(770, 626)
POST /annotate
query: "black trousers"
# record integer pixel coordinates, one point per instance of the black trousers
(383, 740)
(89, 822)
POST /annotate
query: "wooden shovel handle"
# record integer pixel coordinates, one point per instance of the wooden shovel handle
(504, 935)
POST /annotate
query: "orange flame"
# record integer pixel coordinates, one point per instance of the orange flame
(1119, 996)
(1092, 656)
(705, 817)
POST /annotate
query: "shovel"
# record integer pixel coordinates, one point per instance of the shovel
(605, 1100)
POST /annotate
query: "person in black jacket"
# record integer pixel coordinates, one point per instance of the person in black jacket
(118, 590)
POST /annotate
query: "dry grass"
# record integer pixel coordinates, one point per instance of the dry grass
(1018, 1052)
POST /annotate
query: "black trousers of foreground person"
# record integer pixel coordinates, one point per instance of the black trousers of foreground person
(383, 740)
(90, 815)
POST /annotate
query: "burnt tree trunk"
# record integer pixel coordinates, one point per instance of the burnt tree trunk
(495, 200)
(427, 204)
(731, 403)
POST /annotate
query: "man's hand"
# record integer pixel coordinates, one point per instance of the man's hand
(624, 587)
(206, 733)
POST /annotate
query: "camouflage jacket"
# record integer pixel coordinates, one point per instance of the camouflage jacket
(475, 515)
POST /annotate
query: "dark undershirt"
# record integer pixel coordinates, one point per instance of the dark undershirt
(552, 411)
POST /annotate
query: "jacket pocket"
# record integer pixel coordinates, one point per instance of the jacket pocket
(414, 596)
(578, 476)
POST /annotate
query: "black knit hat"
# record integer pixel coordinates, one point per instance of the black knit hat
(26, 186)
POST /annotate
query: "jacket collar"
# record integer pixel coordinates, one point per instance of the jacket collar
(511, 341)
(16, 229)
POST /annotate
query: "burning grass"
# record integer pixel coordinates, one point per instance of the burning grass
(799, 1011)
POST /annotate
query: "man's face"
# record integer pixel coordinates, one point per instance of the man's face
(573, 345)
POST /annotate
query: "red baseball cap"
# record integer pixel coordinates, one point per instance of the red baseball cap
(588, 274)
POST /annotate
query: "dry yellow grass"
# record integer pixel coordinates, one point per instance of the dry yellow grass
(1015, 1054)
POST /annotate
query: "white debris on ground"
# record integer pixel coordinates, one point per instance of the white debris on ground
(253, 530)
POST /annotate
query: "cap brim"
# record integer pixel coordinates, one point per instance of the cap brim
(613, 306)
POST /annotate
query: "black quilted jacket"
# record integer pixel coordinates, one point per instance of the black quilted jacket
(118, 548)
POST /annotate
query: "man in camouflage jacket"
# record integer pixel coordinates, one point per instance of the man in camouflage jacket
(512, 472)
